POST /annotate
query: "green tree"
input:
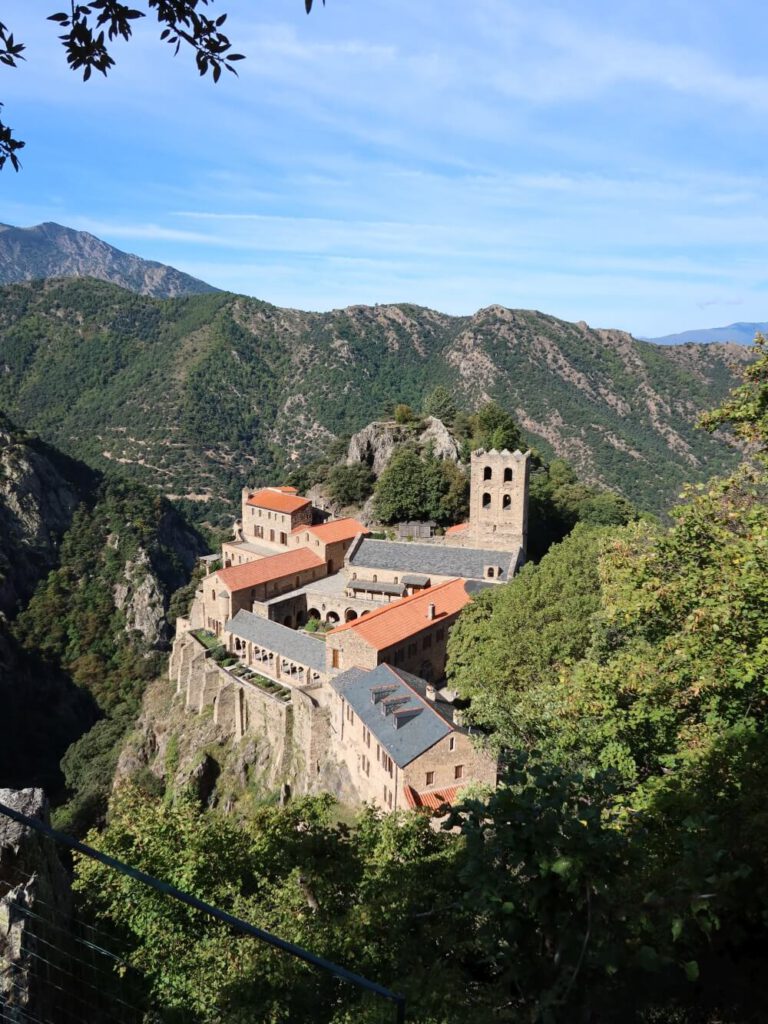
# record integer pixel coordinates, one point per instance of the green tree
(402, 491)
(510, 646)
(440, 403)
(350, 485)
(404, 414)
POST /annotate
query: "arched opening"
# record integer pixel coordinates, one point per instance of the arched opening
(490, 572)
(507, 475)
(506, 501)
(313, 613)
(486, 500)
(487, 473)
(239, 645)
(363, 614)
(350, 615)
(288, 621)
(331, 618)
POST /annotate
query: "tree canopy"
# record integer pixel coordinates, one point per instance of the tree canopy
(88, 30)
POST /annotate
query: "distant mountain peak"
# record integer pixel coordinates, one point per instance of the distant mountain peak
(742, 333)
(50, 250)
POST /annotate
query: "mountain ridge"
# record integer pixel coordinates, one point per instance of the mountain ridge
(197, 395)
(740, 333)
(51, 250)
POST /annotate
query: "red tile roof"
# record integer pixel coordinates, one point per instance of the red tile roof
(459, 528)
(432, 801)
(335, 530)
(397, 621)
(278, 499)
(264, 570)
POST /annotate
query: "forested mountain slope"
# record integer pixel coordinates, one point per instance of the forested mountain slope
(195, 395)
(50, 250)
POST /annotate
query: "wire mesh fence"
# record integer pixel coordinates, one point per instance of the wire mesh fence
(57, 966)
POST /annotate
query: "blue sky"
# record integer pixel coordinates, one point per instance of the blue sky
(595, 161)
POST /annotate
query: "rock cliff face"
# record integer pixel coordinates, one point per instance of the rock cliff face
(50, 250)
(33, 888)
(39, 492)
(375, 444)
(140, 597)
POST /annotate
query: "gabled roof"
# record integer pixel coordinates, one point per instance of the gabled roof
(433, 800)
(335, 530)
(278, 499)
(431, 559)
(275, 567)
(289, 643)
(395, 622)
(388, 703)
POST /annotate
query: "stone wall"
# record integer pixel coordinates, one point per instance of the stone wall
(295, 732)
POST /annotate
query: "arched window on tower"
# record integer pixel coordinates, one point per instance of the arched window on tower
(506, 501)
(487, 473)
(507, 475)
(486, 500)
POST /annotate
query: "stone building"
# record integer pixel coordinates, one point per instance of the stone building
(498, 503)
(237, 587)
(401, 741)
(369, 690)
(411, 633)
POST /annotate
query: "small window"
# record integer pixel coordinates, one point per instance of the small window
(430, 778)
(411, 650)
(395, 579)
(486, 500)
(507, 476)
(441, 634)
(487, 473)
(375, 578)
(458, 771)
(334, 658)
(452, 743)
(426, 643)
(506, 501)
(489, 572)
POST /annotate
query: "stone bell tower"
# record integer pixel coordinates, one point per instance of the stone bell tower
(498, 499)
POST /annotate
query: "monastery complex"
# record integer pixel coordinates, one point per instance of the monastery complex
(332, 644)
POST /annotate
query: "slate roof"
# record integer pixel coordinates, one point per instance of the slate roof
(437, 559)
(383, 696)
(374, 587)
(402, 619)
(414, 579)
(290, 643)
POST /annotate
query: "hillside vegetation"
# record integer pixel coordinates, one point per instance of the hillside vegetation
(618, 873)
(195, 395)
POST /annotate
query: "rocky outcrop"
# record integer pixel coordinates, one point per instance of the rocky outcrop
(374, 445)
(141, 599)
(39, 492)
(50, 250)
(35, 906)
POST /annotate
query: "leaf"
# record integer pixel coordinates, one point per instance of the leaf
(691, 970)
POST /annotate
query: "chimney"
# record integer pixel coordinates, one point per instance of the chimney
(430, 611)
(431, 692)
